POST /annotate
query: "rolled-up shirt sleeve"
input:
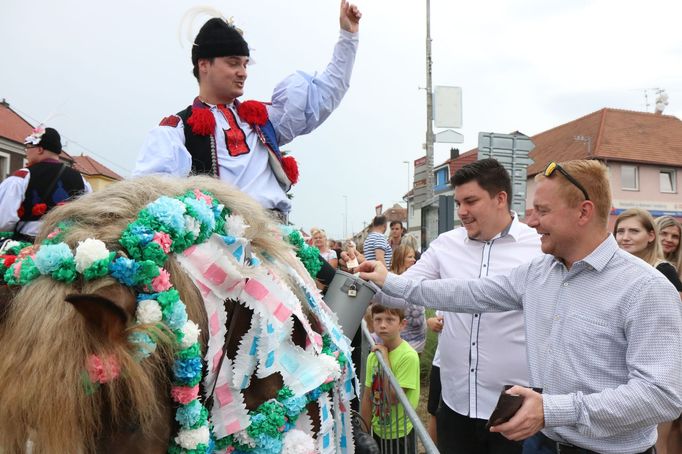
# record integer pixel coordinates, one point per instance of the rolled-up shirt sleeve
(301, 102)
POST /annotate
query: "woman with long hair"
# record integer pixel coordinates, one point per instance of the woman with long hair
(636, 233)
(670, 233)
(415, 331)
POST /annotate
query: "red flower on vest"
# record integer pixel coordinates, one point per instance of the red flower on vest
(253, 112)
(20, 212)
(39, 209)
(290, 167)
(201, 121)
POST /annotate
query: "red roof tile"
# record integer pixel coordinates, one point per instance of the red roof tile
(616, 135)
(12, 125)
(91, 167)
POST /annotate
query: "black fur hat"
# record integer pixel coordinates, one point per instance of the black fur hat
(217, 38)
(48, 139)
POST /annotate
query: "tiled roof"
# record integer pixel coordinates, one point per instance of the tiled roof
(90, 167)
(462, 160)
(616, 135)
(12, 125)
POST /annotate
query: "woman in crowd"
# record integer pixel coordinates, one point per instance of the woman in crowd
(636, 233)
(411, 241)
(670, 232)
(320, 241)
(415, 331)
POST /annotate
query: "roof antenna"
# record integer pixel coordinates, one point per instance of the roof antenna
(661, 101)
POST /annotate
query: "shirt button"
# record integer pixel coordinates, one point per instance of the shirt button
(565, 284)
(556, 317)
(473, 343)
(484, 265)
(472, 370)
(475, 315)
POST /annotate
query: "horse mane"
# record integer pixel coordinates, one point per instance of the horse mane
(46, 342)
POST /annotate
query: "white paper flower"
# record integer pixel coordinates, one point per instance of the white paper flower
(35, 137)
(191, 438)
(298, 442)
(190, 334)
(88, 252)
(242, 437)
(148, 311)
(235, 226)
(331, 366)
(11, 243)
(192, 225)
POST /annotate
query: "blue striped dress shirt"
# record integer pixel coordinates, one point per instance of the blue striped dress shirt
(604, 341)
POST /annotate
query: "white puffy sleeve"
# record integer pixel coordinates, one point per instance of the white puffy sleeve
(164, 152)
(12, 192)
(301, 102)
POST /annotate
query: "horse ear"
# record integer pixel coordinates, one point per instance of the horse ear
(108, 310)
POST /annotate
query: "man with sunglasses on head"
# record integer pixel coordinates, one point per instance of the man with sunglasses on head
(603, 328)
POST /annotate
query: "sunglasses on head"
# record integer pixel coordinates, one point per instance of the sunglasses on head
(553, 167)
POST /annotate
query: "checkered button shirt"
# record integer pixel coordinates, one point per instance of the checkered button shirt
(604, 341)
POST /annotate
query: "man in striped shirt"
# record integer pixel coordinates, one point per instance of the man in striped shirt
(603, 328)
(376, 246)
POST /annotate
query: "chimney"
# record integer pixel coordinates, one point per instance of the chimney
(454, 153)
(4, 102)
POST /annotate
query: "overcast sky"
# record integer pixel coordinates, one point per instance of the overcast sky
(112, 70)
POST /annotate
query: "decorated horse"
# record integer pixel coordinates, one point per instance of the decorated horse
(170, 315)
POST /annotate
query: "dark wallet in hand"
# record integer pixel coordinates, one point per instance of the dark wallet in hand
(507, 406)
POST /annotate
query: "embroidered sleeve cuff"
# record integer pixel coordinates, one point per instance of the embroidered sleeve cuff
(560, 410)
(395, 286)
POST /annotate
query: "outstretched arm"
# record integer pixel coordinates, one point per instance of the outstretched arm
(350, 17)
(302, 102)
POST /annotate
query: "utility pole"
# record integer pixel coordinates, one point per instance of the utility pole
(429, 109)
(345, 218)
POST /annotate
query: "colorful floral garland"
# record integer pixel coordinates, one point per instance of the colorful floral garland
(309, 255)
(10, 251)
(276, 417)
(165, 226)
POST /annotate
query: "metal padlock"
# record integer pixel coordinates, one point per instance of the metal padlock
(353, 290)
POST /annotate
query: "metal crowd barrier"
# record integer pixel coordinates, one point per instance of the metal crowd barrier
(386, 447)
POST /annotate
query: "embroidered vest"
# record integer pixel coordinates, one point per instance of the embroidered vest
(36, 201)
(202, 148)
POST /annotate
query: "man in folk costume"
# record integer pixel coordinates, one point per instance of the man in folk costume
(29, 193)
(239, 142)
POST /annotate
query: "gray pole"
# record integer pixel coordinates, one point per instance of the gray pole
(345, 218)
(429, 109)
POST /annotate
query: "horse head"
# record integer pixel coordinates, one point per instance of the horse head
(156, 316)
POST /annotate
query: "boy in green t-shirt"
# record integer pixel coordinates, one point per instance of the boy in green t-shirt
(389, 423)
